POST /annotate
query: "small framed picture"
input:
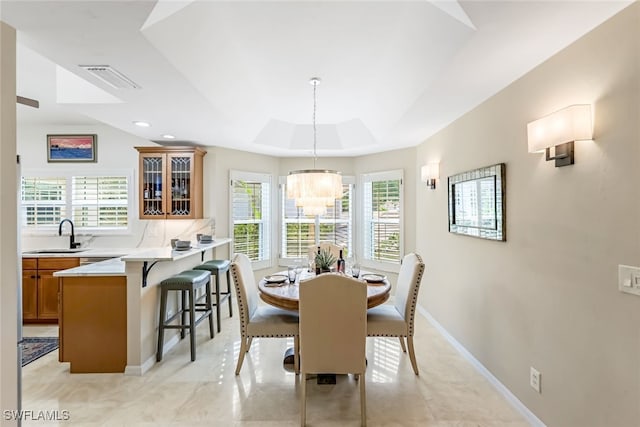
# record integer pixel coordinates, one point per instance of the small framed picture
(71, 148)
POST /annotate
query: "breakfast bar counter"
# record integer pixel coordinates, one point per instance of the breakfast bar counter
(108, 310)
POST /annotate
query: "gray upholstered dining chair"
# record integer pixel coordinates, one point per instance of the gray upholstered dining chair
(396, 320)
(259, 321)
(333, 331)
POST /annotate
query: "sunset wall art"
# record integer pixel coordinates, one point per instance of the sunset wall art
(71, 148)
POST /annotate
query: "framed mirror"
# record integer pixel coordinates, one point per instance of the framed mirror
(477, 203)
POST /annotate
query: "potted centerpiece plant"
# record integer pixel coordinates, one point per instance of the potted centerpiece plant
(324, 261)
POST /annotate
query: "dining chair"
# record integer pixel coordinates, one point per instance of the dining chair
(333, 331)
(331, 247)
(396, 320)
(256, 320)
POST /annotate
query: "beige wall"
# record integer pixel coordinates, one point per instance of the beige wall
(8, 221)
(548, 296)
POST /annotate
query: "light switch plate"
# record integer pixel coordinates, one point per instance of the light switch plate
(629, 279)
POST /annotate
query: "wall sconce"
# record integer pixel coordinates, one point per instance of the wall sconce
(429, 173)
(559, 130)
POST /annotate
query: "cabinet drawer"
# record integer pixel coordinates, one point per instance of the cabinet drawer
(57, 263)
(29, 263)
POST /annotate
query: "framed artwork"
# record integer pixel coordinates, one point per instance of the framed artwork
(71, 148)
(477, 203)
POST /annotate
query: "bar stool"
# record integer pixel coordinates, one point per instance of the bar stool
(186, 283)
(217, 267)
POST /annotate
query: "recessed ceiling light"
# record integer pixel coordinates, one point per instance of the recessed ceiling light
(167, 136)
(142, 124)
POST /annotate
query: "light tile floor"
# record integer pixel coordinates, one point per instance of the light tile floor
(178, 392)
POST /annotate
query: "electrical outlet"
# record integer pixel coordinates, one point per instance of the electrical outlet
(629, 279)
(534, 379)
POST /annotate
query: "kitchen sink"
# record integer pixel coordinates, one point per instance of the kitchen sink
(55, 251)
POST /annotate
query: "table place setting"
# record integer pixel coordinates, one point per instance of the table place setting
(180, 245)
(281, 289)
(373, 278)
(203, 239)
(276, 280)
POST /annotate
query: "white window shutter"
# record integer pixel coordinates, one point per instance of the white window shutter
(382, 217)
(250, 216)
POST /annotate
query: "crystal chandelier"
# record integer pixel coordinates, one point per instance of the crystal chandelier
(314, 189)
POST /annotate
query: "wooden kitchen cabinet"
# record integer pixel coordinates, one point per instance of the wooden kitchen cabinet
(40, 288)
(93, 323)
(170, 182)
(29, 295)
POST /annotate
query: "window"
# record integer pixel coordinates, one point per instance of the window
(250, 207)
(93, 203)
(382, 221)
(99, 201)
(43, 201)
(298, 232)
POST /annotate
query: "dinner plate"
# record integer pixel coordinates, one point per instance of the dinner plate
(374, 278)
(275, 279)
(183, 249)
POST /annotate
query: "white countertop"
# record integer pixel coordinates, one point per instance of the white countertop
(110, 267)
(116, 266)
(168, 254)
(82, 253)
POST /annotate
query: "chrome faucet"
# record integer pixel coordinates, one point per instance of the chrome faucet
(72, 237)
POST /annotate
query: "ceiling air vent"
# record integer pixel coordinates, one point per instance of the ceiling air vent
(111, 76)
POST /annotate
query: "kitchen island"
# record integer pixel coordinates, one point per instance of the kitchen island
(97, 300)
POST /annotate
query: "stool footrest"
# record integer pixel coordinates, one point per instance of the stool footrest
(223, 297)
(198, 320)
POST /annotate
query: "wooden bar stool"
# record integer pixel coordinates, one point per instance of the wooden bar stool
(217, 267)
(186, 283)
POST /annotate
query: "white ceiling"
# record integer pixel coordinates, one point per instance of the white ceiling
(236, 73)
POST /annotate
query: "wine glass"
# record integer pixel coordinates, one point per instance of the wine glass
(299, 266)
(311, 261)
(355, 270)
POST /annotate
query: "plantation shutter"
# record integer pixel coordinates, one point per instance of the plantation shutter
(382, 211)
(100, 201)
(250, 215)
(298, 231)
(43, 201)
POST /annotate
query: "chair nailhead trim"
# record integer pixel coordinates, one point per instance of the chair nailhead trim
(243, 332)
(414, 297)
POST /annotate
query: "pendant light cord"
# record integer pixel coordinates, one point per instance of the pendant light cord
(315, 81)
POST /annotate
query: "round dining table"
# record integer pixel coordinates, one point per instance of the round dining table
(286, 295)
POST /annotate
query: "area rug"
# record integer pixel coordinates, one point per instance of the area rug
(35, 348)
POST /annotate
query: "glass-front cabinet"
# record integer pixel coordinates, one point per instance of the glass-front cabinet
(170, 182)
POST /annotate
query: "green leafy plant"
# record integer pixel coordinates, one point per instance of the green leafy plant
(325, 259)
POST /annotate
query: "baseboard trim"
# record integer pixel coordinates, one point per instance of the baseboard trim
(139, 370)
(504, 391)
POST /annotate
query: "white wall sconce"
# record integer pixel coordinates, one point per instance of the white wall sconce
(429, 173)
(559, 130)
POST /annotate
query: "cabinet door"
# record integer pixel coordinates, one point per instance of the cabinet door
(47, 295)
(29, 295)
(181, 183)
(153, 184)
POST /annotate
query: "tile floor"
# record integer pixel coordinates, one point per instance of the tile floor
(177, 392)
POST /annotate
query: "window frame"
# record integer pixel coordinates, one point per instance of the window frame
(365, 261)
(69, 201)
(267, 246)
(285, 261)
